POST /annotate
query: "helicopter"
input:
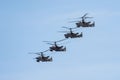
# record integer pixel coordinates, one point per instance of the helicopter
(83, 23)
(71, 34)
(43, 58)
(55, 46)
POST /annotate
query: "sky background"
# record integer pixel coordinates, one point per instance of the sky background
(25, 24)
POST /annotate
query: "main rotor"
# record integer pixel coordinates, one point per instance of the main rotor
(54, 42)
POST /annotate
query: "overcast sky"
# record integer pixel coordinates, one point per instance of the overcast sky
(25, 24)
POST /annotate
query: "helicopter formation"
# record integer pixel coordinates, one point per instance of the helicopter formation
(68, 34)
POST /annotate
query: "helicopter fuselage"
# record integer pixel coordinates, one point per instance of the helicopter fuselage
(43, 59)
(72, 35)
(85, 24)
(57, 48)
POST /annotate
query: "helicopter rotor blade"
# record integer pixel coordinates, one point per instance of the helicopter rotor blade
(69, 28)
(38, 53)
(50, 43)
(87, 17)
(46, 41)
(54, 42)
(84, 15)
(72, 21)
(65, 27)
(74, 30)
(45, 50)
(61, 40)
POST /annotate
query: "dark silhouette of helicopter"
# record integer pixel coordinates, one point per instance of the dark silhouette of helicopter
(55, 46)
(83, 23)
(71, 34)
(42, 57)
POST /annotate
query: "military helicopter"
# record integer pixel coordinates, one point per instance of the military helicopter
(71, 34)
(55, 46)
(43, 58)
(83, 23)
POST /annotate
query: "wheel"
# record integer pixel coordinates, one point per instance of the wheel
(37, 60)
